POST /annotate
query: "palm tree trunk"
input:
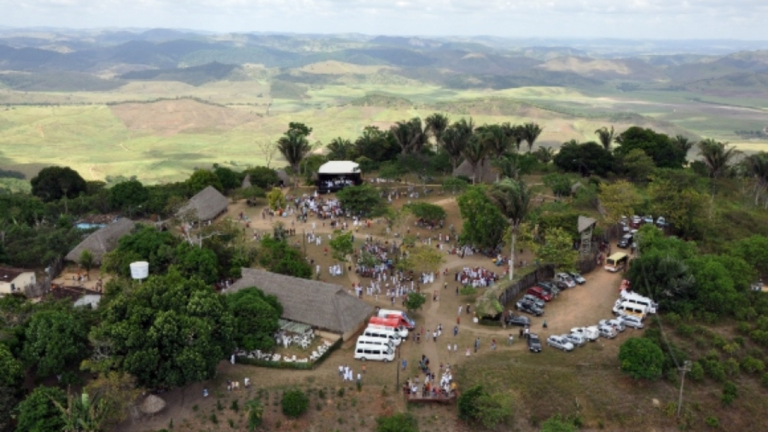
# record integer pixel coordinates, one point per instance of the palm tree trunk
(512, 255)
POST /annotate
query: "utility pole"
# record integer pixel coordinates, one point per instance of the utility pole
(686, 368)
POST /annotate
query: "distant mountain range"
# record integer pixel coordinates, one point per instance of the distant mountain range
(52, 59)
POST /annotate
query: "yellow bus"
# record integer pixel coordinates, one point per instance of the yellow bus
(616, 262)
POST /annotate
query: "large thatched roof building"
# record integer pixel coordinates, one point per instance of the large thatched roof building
(319, 304)
(102, 241)
(207, 204)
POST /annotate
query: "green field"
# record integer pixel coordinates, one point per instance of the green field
(99, 135)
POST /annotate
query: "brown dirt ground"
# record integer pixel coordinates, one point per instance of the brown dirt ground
(583, 305)
(166, 118)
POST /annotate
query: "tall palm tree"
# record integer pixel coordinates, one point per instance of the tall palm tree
(531, 132)
(683, 143)
(410, 135)
(437, 124)
(716, 156)
(453, 144)
(606, 136)
(508, 166)
(513, 199)
(474, 152)
(757, 168)
(294, 147)
(339, 149)
(496, 141)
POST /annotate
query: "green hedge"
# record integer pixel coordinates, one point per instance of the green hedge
(292, 365)
(490, 323)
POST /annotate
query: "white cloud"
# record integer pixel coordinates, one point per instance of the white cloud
(699, 19)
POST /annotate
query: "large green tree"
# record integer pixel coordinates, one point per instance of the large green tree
(753, 250)
(641, 358)
(361, 200)
(128, 195)
(54, 183)
(410, 135)
(168, 331)
(483, 222)
(201, 179)
(680, 199)
(557, 249)
(530, 133)
(256, 318)
(659, 147)
(606, 136)
(587, 158)
(513, 199)
(716, 156)
(54, 340)
(342, 245)
(618, 199)
(38, 413)
(277, 256)
(474, 152)
(11, 369)
(229, 178)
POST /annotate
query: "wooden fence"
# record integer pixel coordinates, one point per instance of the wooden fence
(509, 293)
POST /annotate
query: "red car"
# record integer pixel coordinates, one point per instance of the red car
(538, 292)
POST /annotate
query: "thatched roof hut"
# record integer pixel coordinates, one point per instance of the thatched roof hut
(102, 241)
(283, 176)
(152, 405)
(485, 172)
(207, 204)
(319, 304)
(585, 223)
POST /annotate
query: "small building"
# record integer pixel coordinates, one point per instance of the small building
(485, 172)
(336, 175)
(102, 241)
(206, 205)
(15, 280)
(322, 305)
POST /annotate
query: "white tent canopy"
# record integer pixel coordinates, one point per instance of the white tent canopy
(339, 167)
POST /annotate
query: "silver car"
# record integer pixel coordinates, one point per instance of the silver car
(631, 321)
(615, 323)
(560, 343)
(607, 331)
(575, 339)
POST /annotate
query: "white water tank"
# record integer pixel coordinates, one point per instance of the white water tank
(139, 270)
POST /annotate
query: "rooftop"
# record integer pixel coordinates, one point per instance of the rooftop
(8, 274)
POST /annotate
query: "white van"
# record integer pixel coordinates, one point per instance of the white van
(369, 341)
(382, 334)
(400, 331)
(370, 352)
(637, 298)
(630, 308)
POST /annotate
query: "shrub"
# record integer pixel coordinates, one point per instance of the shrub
(684, 330)
(730, 392)
(672, 319)
(731, 367)
(697, 372)
(712, 421)
(294, 403)
(714, 369)
(743, 327)
(478, 405)
(641, 358)
(764, 380)
(401, 422)
(752, 365)
(556, 423)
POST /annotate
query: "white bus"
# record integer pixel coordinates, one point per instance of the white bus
(629, 308)
(642, 300)
(369, 341)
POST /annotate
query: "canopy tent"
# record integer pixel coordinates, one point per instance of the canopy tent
(336, 175)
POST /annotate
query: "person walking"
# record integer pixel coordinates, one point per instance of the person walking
(511, 338)
(477, 344)
(456, 330)
(404, 363)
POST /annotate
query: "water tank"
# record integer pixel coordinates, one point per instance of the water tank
(139, 270)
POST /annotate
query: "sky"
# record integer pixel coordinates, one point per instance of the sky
(623, 19)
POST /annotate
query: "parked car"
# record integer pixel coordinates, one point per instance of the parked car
(550, 287)
(636, 221)
(625, 241)
(529, 308)
(578, 278)
(661, 222)
(539, 293)
(591, 333)
(631, 321)
(607, 331)
(615, 323)
(575, 339)
(534, 344)
(566, 279)
(538, 302)
(559, 342)
(648, 219)
(517, 320)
